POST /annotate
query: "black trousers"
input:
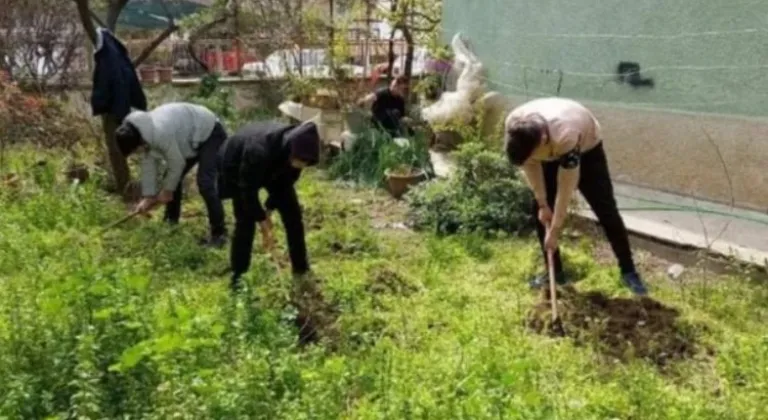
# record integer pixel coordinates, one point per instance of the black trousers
(207, 179)
(287, 204)
(596, 187)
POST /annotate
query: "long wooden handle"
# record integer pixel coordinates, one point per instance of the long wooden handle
(119, 222)
(552, 284)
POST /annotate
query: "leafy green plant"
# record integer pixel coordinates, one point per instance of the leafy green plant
(484, 195)
(215, 97)
(374, 152)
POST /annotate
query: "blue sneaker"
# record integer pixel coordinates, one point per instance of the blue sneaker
(542, 280)
(634, 283)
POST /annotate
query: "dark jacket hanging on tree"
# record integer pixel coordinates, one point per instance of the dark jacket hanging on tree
(116, 88)
(259, 156)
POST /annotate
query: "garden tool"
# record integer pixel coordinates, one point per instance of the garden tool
(122, 220)
(556, 326)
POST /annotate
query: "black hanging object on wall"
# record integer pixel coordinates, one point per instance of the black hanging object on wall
(628, 72)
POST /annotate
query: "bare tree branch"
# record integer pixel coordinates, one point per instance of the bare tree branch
(419, 15)
(113, 12)
(147, 51)
(196, 34)
(84, 11)
(97, 19)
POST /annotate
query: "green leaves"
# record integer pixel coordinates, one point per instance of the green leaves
(374, 152)
(484, 195)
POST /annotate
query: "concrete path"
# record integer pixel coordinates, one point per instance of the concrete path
(718, 228)
(678, 220)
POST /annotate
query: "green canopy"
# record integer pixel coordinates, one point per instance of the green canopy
(150, 14)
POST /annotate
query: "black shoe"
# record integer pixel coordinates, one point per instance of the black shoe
(218, 241)
(634, 283)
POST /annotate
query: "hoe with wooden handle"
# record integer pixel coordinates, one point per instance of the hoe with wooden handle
(557, 325)
(120, 221)
(552, 285)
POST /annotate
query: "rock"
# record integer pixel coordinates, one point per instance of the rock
(675, 271)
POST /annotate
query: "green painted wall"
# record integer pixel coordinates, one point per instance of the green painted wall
(703, 55)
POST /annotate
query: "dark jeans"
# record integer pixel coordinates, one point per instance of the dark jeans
(287, 204)
(207, 178)
(596, 187)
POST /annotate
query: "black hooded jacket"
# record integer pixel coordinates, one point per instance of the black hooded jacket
(116, 88)
(259, 156)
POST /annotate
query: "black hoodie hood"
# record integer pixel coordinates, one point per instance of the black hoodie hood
(303, 142)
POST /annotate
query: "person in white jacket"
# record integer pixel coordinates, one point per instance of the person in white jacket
(182, 135)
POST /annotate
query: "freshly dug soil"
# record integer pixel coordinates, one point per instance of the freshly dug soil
(316, 318)
(620, 328)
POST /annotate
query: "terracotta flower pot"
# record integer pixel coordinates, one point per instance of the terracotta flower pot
(148, 74)
(165, 74)
(398, 182)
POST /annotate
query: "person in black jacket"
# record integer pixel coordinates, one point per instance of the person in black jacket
(388, 108)
(267, 155)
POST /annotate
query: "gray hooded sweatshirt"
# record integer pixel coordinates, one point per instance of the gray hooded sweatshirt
(174, 132)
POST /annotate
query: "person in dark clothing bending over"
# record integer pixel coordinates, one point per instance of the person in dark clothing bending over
(268, 155)
(388, 107)
(557, 143)
(182, 135)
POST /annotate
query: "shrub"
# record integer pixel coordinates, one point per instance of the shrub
(374, 152)
(485, 195)
(40, 120)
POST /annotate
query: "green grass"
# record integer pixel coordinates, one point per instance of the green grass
(136, 323)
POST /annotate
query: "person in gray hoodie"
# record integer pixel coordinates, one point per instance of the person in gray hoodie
(182, 135)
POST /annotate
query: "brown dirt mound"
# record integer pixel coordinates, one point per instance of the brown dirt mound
(316, 318)
(618, 327)
(384, 280)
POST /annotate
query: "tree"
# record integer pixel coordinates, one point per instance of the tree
(41, 43)
(419, 21)
(120, 170)
(206, 20)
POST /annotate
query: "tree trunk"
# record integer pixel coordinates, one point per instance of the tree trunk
(120, 171)
(331, 36)
(408, 67)
(391, 52)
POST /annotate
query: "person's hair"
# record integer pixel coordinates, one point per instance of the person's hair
(522, 139)
(128, 138)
